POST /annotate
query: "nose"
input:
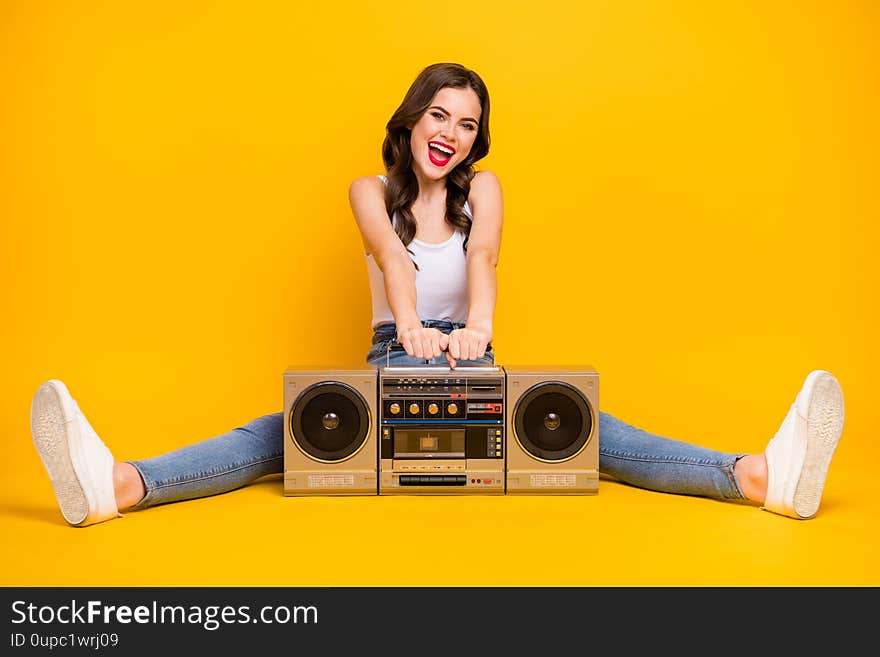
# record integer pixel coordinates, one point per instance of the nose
(447, 134)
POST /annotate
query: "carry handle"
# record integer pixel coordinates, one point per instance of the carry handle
(432, 368)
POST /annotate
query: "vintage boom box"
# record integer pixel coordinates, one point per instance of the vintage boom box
(427, 430)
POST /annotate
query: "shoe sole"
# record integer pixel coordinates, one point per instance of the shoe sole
(824, 426)
(50, 429)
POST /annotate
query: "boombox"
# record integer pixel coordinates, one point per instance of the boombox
(434, 430)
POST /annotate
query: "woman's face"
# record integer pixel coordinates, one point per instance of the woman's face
(443, 137)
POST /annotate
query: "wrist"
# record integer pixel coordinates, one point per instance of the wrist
(479, 325)
(408, 324)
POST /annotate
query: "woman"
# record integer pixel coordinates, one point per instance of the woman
(431, 229)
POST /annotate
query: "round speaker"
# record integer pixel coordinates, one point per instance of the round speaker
(330, 421)
(553, 421)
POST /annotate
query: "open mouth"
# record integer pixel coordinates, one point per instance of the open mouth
(439, 154)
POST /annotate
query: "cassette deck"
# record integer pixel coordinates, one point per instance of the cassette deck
(441, 431)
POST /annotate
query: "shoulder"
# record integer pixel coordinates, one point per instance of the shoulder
(485, 177)
(366, 187)
(484, 186)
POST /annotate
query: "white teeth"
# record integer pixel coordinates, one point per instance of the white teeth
(448, 151)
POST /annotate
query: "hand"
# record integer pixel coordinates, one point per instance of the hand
(468, 344)
(420, 342)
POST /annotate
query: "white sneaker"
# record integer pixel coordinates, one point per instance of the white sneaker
(799, 454)
(78, 462)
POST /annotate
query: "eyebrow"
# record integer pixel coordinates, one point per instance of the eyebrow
(446, 112)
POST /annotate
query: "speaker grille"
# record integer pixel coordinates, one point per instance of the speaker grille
(330, 421)
(552, 421)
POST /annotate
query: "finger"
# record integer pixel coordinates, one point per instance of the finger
(408, 346)
(454, 344)
(470, 350)
(418, 347)
(444, 341)
(475, 348)
(451, 360)
(482, 349)
(436, 342)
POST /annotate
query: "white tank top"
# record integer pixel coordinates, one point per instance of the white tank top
(441, 280)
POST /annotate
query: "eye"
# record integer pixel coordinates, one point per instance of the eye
(469, 126)
(438, 116)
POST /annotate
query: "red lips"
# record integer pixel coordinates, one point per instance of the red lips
(440, 143)
(436, 160)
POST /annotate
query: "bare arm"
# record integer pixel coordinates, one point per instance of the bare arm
(367, 199)
(484, 245)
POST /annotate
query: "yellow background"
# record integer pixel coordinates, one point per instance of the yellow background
(691, 206)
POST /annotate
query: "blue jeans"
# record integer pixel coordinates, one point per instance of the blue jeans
(256, 449)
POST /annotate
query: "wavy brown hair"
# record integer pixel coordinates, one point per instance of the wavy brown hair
(403, 187)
